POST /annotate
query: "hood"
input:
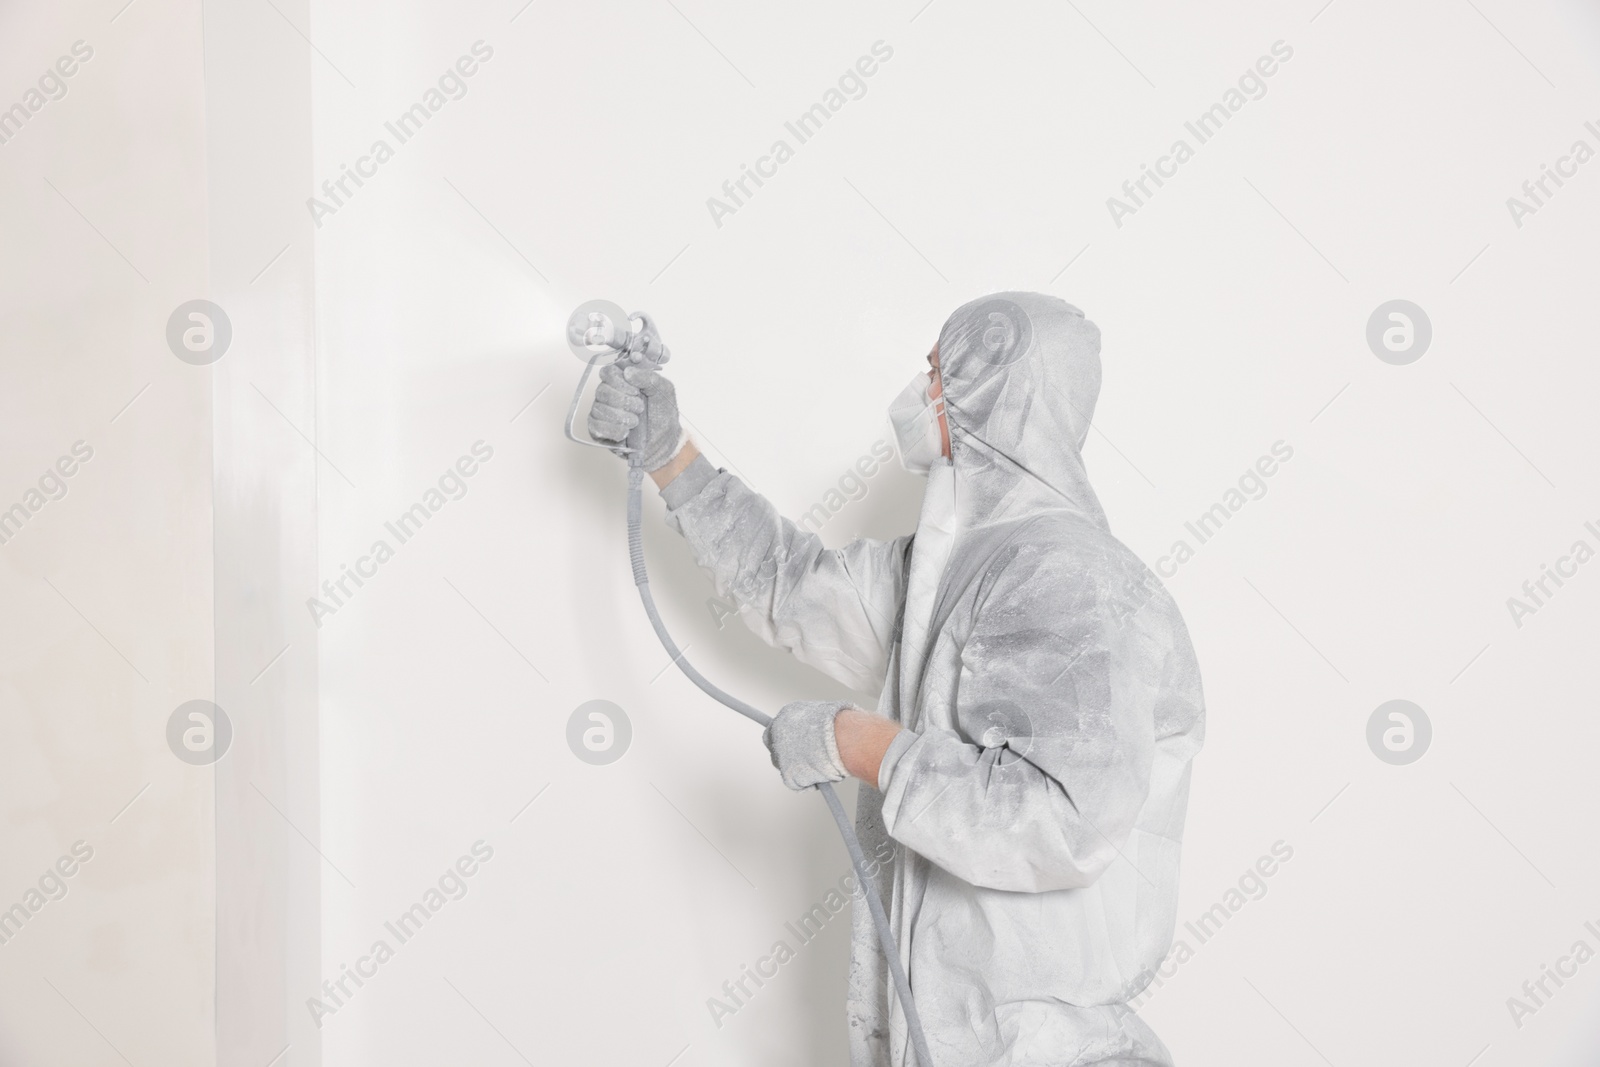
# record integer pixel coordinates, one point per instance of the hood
(1021, 374)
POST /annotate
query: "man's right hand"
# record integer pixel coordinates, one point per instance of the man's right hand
(629, 395)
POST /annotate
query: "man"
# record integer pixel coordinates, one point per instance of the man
(1040, 699)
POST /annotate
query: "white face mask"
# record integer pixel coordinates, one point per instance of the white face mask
(915, 419)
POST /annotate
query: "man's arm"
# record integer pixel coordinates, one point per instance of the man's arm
(834, 609)
(676, 466)
(863, 739)
(1038, 784)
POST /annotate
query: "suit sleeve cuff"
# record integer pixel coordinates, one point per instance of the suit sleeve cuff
(897, 748)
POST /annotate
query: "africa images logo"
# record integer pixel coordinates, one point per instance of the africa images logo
(1007, 332)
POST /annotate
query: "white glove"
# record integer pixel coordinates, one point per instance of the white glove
(630, 394)
(803, 745)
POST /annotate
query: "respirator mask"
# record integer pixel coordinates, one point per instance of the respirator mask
(914, 416)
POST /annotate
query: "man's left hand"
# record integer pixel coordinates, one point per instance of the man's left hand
(803, 745)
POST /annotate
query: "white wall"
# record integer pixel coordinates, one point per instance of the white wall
(578, 165)
(265, 473)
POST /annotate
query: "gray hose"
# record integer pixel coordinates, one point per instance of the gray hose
(869, 887)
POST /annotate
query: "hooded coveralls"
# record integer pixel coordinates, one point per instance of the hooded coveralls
(1050, 698)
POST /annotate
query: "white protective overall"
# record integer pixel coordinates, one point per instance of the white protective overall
(1050, 696)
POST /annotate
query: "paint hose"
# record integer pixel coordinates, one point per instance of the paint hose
(869, 886)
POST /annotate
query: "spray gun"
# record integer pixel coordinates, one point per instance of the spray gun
(600, 332)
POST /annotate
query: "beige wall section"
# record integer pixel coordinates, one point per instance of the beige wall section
(172, 563)
(107, 591)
